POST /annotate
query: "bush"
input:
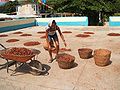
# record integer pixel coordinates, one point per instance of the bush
(100, 24)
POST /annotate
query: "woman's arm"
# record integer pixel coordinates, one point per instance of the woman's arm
(61, 35)
(46, 34)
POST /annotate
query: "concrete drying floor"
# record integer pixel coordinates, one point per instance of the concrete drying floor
(85, 75)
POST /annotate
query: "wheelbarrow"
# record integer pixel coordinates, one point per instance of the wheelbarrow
(18, 58)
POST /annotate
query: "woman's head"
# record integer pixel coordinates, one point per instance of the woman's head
(52, 23)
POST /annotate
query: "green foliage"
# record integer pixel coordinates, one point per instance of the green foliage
(82, 5)
(117, 5)
(90, 8)
(22, 2)
(9, 7)
(116, 14)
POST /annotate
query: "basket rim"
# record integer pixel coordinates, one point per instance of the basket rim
(102, 52)
(73, 57)
(66, 61)
(80, 49)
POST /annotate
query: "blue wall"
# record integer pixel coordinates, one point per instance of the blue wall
(16, 24)
(64, 21)
(61, 21)
(114, 21)
(11, 28)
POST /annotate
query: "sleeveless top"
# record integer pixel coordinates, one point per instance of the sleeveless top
(51, 31)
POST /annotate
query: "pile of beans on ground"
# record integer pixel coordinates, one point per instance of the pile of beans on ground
(88, 32)
(18, 32)
(65, 49)
(61, 50)
(41, 32)
(66, 32)
(26, 35)
(43, 37)
(18, 51)
(32, 43)
(83, 35)
(65, 57)
(3, 35)
(12, 40)
(113, 34)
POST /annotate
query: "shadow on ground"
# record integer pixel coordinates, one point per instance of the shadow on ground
(75, 65)
(24, 68)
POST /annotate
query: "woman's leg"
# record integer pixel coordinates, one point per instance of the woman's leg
(56, 40)
(57, 46)
(50, 53)
(50, 49)
(52, 43)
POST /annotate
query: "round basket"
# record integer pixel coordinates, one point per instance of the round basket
(65, 61)
(46, 47)
(102, 57)
(85, 53)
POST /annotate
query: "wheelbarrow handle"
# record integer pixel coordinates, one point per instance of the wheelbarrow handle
(2, 46)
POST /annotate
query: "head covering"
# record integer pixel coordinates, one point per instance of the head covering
(50, 23)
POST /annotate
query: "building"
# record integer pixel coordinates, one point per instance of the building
(26, 8)
(30, 8)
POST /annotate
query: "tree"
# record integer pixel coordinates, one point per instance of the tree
(90, 8)
(78, 5)
(25, 1)
(9, 7)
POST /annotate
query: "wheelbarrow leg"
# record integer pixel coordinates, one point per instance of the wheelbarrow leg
(34, 58)
(2, 46)
(14, 71)
(7, 66)
(16, 65)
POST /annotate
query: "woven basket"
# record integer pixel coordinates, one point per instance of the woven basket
(63, 63)
(102, 57)
(85, 53)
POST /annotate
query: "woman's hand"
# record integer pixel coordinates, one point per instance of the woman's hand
(65, 44)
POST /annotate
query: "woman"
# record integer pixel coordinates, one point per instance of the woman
(51, 37)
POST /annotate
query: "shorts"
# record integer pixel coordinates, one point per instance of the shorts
(54, 37)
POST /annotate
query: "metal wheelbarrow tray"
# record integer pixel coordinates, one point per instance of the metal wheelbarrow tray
(17, 58)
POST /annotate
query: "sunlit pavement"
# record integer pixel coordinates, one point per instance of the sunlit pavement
(85, 75)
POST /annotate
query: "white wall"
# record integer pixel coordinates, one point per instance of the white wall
(64, 21)
(25, 10)
(114, 21)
